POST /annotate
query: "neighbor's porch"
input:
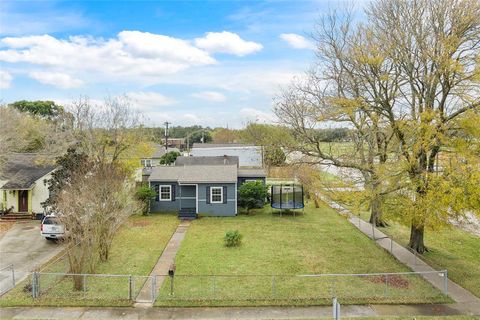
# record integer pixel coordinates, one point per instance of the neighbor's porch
(18, 200)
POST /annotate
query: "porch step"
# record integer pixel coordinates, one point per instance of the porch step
(187, 214)
(16, 216)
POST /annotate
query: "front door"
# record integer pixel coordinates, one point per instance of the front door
(22, 200)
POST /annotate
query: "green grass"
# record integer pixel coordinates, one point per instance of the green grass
(451, 249)
(418, 318)
(317, 242)
(136, 248)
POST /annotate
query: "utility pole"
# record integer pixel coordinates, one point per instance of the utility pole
(166, 123)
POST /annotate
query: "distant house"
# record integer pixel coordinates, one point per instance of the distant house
(178, 143)
(23, 184)
(154, 160)
(200, 185)
(248, 155)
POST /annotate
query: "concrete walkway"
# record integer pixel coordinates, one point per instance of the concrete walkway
(240, 313)
(145, 297)
(410, 259)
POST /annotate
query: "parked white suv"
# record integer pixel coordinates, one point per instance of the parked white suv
(51, 228)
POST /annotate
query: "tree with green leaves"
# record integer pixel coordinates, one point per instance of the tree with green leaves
(45, 109)
(169, 157)
(403, 77)
(252, 194)
(145, 194)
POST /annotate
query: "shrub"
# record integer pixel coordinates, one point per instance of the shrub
(252, 195)
(233, 238)
(145, 194)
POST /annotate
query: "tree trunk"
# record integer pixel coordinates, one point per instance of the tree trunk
(376, 212)
(416, 238)
(78, 283)
(376, 201)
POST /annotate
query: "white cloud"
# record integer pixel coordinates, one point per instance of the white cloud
(212, 96)
(149, 100)
(297, 41)
(255, 115)
(5, 79)
(57, 79)
(227, 42)
(131, 56)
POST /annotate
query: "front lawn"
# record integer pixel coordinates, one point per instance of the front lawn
(452, 249)
(274, 250)
(136, 248)
(449, 248)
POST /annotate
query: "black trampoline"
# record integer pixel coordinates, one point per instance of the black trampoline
(287, 197)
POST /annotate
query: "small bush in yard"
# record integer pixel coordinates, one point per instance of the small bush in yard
(233, 238)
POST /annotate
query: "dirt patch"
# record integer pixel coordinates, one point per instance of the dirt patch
(394, 281)
(140, 224)
(5, 226)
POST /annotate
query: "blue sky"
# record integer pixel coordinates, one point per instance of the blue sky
(212, 63)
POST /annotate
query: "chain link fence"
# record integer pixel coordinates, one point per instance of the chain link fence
(7, 278)
(106, 287)
(65, 288)
(351, 288)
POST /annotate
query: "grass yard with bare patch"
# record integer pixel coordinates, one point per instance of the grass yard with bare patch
(275, 250)
(136, 248)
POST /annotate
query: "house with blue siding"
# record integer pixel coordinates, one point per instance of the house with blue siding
(200, 185)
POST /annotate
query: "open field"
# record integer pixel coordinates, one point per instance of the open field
(275, 249)
(136, 249)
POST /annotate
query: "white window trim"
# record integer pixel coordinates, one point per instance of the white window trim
(160, 192)
(211, 194)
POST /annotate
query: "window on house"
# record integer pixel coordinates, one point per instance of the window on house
(146, 162)
(165, 193)
(216, 195)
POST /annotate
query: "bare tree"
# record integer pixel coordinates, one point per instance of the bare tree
(92, 206)
(107, 132)
(400, 80)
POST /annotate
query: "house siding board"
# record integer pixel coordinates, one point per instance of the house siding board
(157, 205)
(217, 209)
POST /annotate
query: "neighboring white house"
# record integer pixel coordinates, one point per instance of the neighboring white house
(248, 155)
(23, 185)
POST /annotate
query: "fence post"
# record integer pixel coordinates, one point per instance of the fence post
(445, 282)
(84, 285)
(154, 285)
(13, 275)
(336, 309)
(213, 285)
(391, 246)
(130, 287)
(273, 286)
(171, 284)
(386, 285)
(35, 288)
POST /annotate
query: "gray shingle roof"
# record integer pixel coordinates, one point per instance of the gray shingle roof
(160, 151)
(251, 172)
(204, 160)
(221, 145)
(195, 174)
(22, 170)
